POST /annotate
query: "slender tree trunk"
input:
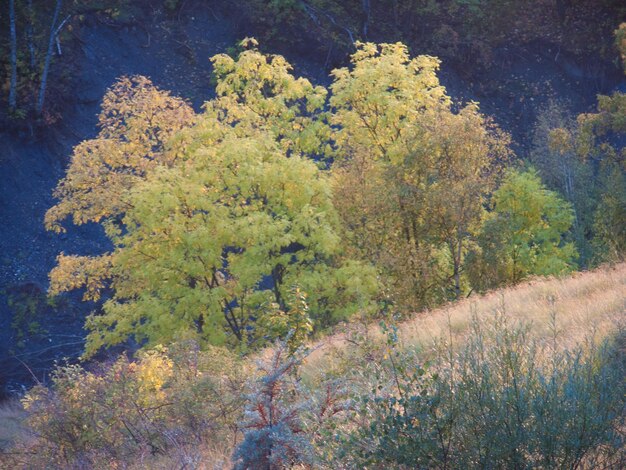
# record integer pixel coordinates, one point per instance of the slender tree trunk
(561, 7)
(277, 279)
(46, 67)
(13, 85)
(29, 34)
(396, 16)
(366, 17)
(570, 196)
(457, 268)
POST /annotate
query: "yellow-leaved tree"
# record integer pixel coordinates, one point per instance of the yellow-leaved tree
(136, 122)
(598, 140)
(211, 243)
(412, 174)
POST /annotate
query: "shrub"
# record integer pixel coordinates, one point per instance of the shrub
(497, 402)
(167, 402)
(283, 418)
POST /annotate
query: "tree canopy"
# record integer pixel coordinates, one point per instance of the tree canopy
(285, 207)
(136, 122)
(412, 174)
(216, 227)
(524, 234)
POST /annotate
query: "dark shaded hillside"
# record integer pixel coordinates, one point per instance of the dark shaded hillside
(173, 52)
(31, 167)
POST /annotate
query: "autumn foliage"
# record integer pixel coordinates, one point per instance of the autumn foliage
(217, 218)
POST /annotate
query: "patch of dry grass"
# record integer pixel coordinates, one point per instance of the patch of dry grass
(578, 307)
(198, 458)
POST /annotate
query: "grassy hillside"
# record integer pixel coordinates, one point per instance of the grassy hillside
(345, 263)
(153, 413)
(580, 306)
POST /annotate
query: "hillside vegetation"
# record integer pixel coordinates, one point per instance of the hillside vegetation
(533, 70)
(548, 353)
(363, 271)
(289, 206)
(571, 310)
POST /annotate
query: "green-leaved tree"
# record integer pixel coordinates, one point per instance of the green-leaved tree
(524, 233)
(216, 226)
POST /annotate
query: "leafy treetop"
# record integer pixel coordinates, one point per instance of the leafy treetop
(136, 122)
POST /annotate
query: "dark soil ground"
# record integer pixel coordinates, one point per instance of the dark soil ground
(34, 332)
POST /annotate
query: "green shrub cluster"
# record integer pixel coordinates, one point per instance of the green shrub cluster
(501, 400)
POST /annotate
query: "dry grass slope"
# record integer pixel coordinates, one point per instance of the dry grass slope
(578, 307)
(583, 305)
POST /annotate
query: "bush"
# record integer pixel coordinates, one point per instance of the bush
(168, 403)
(284, 419)
(498, 402)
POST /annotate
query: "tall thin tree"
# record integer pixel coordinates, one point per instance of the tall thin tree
(29, 34)
(13, 84)
(46, 67)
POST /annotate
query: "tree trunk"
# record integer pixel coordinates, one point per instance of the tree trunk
(277, 279)
(561, 7)
(396, 16)
(46, 67)
(366, 17)
(455, 246)
(29, 35)
(13, 84)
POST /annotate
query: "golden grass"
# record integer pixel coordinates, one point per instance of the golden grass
(581, 306)
(201, 457)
